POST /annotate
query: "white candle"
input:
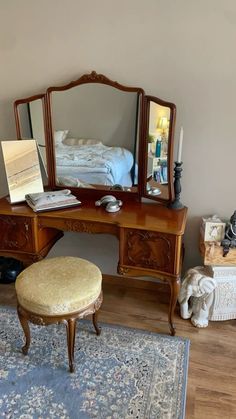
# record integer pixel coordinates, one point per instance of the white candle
(180, 145)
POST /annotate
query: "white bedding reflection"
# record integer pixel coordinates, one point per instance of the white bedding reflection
(96, 164)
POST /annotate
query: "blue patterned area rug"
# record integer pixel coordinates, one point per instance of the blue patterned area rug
(123, 373)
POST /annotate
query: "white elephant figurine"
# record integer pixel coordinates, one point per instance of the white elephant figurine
(196, 296)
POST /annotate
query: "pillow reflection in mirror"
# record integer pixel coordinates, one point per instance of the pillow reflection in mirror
(80, 141)
(71, 181)
(59, 137)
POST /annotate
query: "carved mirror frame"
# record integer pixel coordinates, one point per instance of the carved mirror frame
(93, 77)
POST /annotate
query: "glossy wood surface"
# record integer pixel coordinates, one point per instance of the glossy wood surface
(132, 214)
(211, 384)
(149, 216)
(21, 236)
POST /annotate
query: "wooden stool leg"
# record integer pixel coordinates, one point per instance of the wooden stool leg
(95, 318)
(70, 328)
(25, 326)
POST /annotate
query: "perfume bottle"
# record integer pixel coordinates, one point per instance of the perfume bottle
(158, 148)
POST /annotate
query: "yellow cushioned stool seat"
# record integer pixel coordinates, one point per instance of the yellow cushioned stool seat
(58, 285)
(58, 290)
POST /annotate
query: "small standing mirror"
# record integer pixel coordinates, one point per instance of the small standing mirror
(22, 168)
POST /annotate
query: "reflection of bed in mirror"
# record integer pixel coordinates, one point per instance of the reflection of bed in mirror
(95, 135)
(89, 161)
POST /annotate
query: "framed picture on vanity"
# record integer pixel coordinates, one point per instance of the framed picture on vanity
(214, 231)
(22, 168)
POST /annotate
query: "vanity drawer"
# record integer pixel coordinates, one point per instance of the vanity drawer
(148, 250)
(16, 233)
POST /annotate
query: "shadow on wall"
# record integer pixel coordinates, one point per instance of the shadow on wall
(7, 124)
(191, 242)
(101, 249)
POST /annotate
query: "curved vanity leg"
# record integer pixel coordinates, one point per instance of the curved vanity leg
(25, 326)
(95, 324)
(70, 329)
(174, 287)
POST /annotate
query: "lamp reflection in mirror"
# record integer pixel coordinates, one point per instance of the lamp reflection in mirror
(157, 162)
(163, 125)
(159, 124)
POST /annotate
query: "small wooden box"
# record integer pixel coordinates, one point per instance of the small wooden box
(212, 253)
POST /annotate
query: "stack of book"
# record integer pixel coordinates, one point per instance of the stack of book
(46, 201)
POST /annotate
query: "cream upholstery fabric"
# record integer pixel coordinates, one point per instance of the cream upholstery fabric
(58, 285)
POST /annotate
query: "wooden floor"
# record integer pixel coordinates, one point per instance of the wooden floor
(211, 391)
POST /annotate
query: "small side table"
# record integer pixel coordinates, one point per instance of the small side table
(223, 270)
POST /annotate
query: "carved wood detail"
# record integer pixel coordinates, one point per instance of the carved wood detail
(80, 226)
(89, 227)
(16, 233)
(44, 320)
(33, 318)
(149, 250)
(95, 77)
(122, 270)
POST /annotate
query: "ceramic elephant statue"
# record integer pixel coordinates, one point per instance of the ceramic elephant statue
(196, 296)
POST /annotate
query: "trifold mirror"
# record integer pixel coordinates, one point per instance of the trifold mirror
(95, 135)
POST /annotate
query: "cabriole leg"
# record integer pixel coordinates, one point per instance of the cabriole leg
(174, 287)
(95, 317)
(70, 328)
(25, 326)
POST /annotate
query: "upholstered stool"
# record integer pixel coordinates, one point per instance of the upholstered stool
(59, 290)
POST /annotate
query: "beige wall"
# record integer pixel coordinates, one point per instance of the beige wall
(95, 111)
(182, 51)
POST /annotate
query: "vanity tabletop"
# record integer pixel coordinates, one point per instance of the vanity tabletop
(145, 216)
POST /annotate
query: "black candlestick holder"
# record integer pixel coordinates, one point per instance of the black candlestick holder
(176, 204)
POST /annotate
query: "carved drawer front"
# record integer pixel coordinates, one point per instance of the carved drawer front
(150, 250)
(82, 226)
(16, 233)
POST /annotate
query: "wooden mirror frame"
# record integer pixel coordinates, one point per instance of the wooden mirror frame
(172, 107)
(93, 77)
(141, 189)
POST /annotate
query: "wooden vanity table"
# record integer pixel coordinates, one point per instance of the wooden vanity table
(113, 124)
(150, 237)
